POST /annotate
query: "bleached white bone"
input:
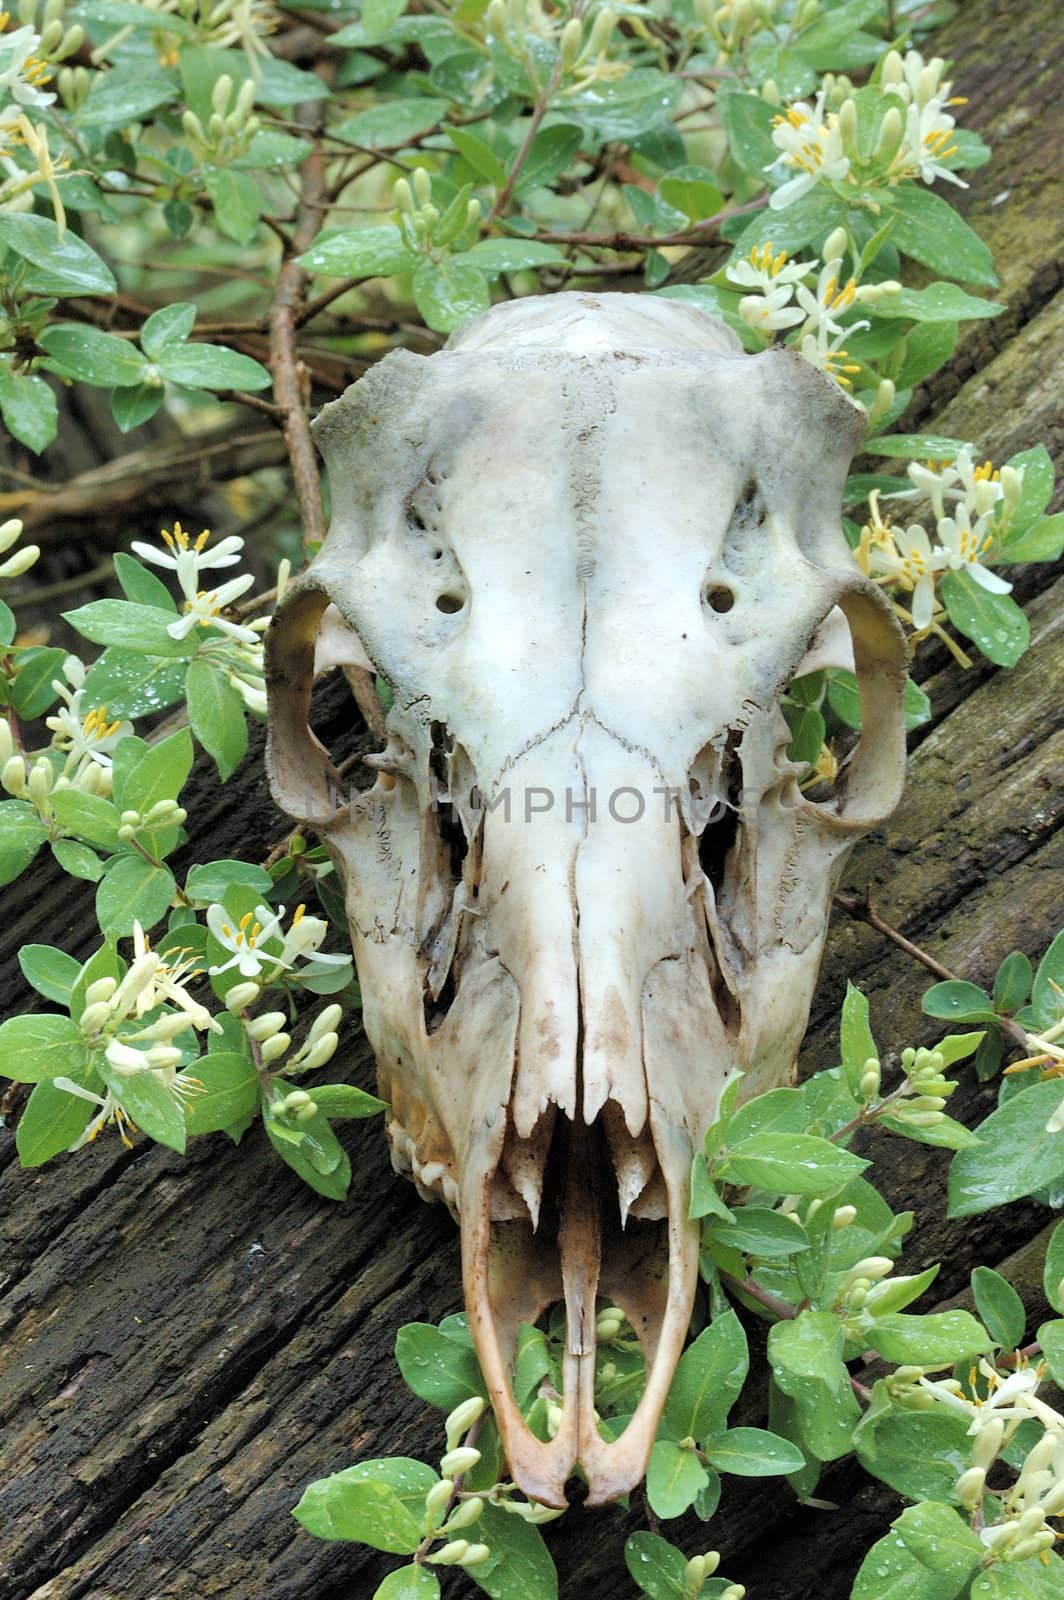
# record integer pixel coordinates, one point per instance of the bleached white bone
(588, 545)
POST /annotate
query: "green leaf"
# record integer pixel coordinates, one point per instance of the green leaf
(858, 1045)
(53, 1119)
(32, 692)
(747, 123)
(1047, 1004)
(125, 94)
(958, 1001)
(339, 1101)
(450, 292)
(160, 773)
(408, 1583)
(134, 627)
(1012, 982)
(520, 1565)
(169, 326)
(806, 1358)
(754, 1453)
(656, 1565)
(51, 972)
(946, 1134)
(282, 84)
(493, 256)
(807, 732)
(393, 123)
(1043, 541)
(153, 1107)
(1021, 1580)
(759, 1231)
(66, 263)
(708, 1381)
(915, 446)
(378, 16)
(999, 1306)
(77, 859)
(132, 684)
(41, 1046)
(29, 408)
(928, 229)
(795, 1163)
(1016, 1155)
(439, 1369)
(361, 253)
(891, 1572)
(552, 151)
(103, 963)
(92, 355)
(216, 713)
(625, 107)
(695, 197)
(133, 406)
(940, 1540)
(21, 835)
(142, 586)
(1051, 1340)
(212, 366)
(705, 1200)
(479, 155)
(333, 1184)
(213, 880)
(930, 1341)
(776, 1111)
(921, 1454)
(809, 218)
(380, 1503)
(237, 205)
(1039, 476)
(675, 1476)
(1053, 1271)
(992, 621)
(230, 1091)
(133, 890)
(939, 302)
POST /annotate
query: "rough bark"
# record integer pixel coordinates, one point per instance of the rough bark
(190, 1341)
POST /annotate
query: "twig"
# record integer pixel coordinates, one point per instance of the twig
(621, 240)
(502, 199)
(289, 374)
(54, 591)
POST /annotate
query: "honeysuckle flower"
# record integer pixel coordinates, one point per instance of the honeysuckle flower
(910, 560)
(110, 1111)
(811, 142)
(827, 355)
(22, 71)
(83, 735)
(203, 608)
(768, 312)
(165, 983)
(1000, 1404)
(304, 938)
(830, 299)
(928, 143)
(246, 940)
(963, 546)
(22, 560)
(189, 557)
(47, 169)
(764, 269)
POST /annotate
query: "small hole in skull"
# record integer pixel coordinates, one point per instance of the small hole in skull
(436, 553)
(449, 603)
(719, 597)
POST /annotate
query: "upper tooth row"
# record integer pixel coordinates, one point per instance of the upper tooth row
(431, 1178)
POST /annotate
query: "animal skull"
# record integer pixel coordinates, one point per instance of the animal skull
(588, 545)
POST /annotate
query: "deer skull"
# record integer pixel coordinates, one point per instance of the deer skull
(588, 546)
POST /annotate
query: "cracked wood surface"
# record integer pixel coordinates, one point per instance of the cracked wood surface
(188, 1342)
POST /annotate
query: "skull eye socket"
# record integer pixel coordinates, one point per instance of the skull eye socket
(449, 602)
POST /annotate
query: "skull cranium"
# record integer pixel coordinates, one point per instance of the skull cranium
(588, 546)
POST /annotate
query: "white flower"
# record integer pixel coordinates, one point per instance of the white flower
(763, 270)
(189, 557)
(767, 312)
(927, 143)
(21, 71)
(203, 608)
(305, 937)
(165, 982)
(110, 1111)
(963, 545)
(246, 940)
(812, 143)
(83, 736)
(910, 560)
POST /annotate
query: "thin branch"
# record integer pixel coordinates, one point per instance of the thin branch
(290, 375)
(539, 111)
(622, 240)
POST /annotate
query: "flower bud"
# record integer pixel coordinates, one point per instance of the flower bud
(169, 1027)
(241, 995)
(848, 121)
(988, 1442)
(1011, 487)
(220, 94)
(40, 782)
(1039, 1457)
(7, 743)
(306, 1113)
(93, 1017)
(437, 1498)
(554, 1418)
(468, 1511)
(422, 187)
(601, 31)
(969, 1487)
(1024, 1549)
(13, 776)
(20, 562)
(274, 1047)
(891, 72)
(843, 1216)
(871, 1077)
(136, 980)
(325, 1022)
(160, 810)
(130, 819)
(734, 1591)
(451, 1555)
(262, 1027)
(835, 245)
(874, 1267)
(161, 1056)
(475, 1555)
(460, 1460)
(495, 19)
(298, 1100)
(770, 92)
(90, 779)
(1053, 1502)
(572, 37)
(194, 128)
(926, 1102)
(890, 131)
(101, 989)
(245, 99)
(462, 1418)
(127, 831)
(9, 533)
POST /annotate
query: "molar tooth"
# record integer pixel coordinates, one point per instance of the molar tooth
(431, 1173)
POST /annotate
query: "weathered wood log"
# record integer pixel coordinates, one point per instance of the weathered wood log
(188, 1342)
